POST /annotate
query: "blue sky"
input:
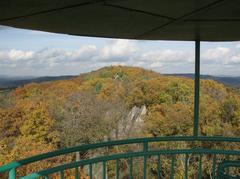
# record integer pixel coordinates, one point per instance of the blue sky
(35, 53)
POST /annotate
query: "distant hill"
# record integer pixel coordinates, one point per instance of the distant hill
(13, 82)
(228, 81)
(7, 82)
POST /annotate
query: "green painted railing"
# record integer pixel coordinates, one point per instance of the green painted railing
(224, 167)
(164, 161)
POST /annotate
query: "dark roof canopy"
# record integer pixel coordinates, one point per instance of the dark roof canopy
(206, 20)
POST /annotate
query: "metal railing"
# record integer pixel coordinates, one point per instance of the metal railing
(165, 162)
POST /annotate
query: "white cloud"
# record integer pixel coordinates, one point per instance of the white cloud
(49, 61)
(85, 52)
(236, 58)
(216, 53)
(156, 64)
(15, 55)
(167, 56)
(118, 49)
(20, 55)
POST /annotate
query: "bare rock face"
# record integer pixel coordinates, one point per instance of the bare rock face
(129, 127)
(137, 114)
(132, 125)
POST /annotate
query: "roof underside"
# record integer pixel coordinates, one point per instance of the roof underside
(206, 20)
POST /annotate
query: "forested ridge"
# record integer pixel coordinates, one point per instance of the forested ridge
(96, 106)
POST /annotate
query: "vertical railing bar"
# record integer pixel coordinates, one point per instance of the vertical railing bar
(12, 173)
(104, 169)
(227, 171)
(214, 166)
(172, 166)
(200, 167)
(145, 167)
(62, 174)
(196, 88)
(159, 167)
(117, 169)
(186, 167)
(145, 150)
(76, 173)
(90, 171)
(131, 167)
(138, 169)
(46, 177)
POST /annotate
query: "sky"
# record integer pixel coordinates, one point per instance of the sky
(35, 53)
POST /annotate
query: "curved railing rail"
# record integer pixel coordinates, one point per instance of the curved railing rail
(225, 165)
(145, 153)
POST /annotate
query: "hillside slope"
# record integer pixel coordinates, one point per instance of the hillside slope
(13, 82)
(95, 106)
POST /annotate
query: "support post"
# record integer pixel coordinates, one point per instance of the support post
(196, 88)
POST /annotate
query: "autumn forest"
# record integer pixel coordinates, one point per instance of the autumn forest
(111, 103)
